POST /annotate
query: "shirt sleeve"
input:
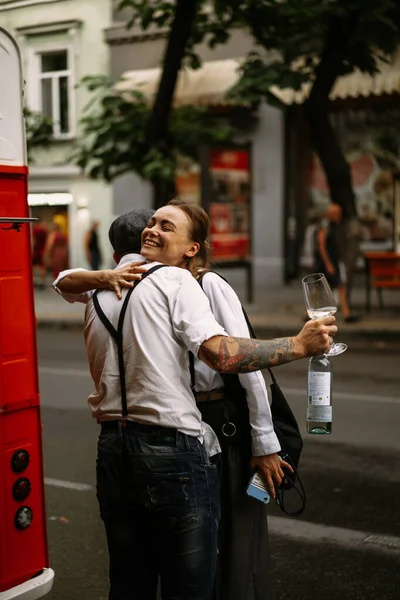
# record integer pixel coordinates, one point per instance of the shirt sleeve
(228, 311)
(191, 314)
(83, 298)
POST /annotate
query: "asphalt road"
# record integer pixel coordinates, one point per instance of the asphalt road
(346, 546)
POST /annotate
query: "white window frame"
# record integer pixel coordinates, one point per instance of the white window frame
(34, 87)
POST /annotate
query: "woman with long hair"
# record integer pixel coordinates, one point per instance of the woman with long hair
(243, 572)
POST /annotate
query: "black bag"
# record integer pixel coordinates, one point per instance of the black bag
(284, 422)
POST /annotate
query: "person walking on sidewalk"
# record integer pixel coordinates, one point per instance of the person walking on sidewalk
(92, 247)
(169, 226)
(328, 256)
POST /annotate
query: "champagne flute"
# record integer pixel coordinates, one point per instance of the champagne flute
(320, 302)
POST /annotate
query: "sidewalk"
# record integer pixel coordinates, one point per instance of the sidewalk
(275, 312)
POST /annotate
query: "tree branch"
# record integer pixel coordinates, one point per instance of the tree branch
(179, 36)
(316, 110)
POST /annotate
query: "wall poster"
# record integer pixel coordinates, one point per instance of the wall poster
(229, 204)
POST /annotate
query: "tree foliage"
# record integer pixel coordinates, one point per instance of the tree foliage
(296, 42)
(114, 139)
(39, 131)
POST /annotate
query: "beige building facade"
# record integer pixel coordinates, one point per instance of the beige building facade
(60, 42)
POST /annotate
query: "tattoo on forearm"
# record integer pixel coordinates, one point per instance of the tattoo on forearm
(243, 355)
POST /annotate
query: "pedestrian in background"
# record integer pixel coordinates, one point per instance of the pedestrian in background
(39, 240)
(92, 247)
(328, 256)
(56, 251)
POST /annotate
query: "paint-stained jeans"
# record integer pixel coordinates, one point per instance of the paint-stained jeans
(159, 499)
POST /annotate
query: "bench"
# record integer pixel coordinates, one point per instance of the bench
(382, 272)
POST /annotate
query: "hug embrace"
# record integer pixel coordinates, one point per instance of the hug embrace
(171, 486)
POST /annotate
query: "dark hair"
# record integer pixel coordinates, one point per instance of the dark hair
(125, 232)
(200, 225)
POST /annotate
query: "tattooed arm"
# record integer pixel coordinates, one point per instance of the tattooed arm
(242, 355)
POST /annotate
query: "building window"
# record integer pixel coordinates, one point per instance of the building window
(54, 88)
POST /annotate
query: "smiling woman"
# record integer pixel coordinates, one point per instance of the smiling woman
(176, 235)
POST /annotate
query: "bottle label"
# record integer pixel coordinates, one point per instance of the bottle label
(319, 388)
(319, 414)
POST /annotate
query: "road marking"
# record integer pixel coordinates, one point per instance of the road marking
(300, 530)
(60, 371)
(70, 485)
(348, 396)
(350, 538)
(64, 371)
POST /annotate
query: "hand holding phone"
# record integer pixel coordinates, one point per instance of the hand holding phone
(257, 488)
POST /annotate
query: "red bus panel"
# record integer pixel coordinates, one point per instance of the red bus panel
(23, 551)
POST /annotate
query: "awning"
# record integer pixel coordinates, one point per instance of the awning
(354, 85)
(206, 86)
(53, 199)
(209, 85)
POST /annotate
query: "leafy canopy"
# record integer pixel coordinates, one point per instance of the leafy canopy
(292, 39)
(293, 32)
(114, 134)
(39, 131)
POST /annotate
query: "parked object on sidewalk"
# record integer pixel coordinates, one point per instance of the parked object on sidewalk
(382, 272)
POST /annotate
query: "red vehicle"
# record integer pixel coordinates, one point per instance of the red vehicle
(24, 563)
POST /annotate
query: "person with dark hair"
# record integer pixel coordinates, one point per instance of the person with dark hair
(328, 256)
(139, 470)
(92, 247)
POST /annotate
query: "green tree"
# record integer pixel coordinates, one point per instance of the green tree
(296, 42)
(39, 131)
(115, 138)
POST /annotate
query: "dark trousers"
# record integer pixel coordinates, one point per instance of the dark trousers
(244, 558)
(159, 499)
(95, 260)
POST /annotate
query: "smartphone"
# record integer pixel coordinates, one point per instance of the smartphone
(257, 488)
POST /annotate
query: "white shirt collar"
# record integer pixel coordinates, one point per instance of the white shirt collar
(128, 258)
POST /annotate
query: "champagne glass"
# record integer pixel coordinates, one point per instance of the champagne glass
(320, 302)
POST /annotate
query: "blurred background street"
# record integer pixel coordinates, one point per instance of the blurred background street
(265, 114)
(352, 479)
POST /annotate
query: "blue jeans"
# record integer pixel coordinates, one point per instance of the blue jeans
(159, 500)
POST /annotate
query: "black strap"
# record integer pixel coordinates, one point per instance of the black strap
(116, 334)
(294, 480)
(249, 326)
(297, 485)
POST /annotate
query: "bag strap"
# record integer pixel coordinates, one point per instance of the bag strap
(116, 334)
(191, 357)
(249, 326)
(297, 485)
(296, 482)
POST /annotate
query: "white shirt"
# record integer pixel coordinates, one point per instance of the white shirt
(227, 310)
(167, 315)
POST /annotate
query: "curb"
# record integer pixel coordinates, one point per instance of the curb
(361, 340)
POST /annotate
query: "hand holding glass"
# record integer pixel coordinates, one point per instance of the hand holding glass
(320, 302)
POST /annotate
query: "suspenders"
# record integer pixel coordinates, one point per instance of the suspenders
(116, 334)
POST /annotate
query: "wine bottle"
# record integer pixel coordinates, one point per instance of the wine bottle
(319, 409)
